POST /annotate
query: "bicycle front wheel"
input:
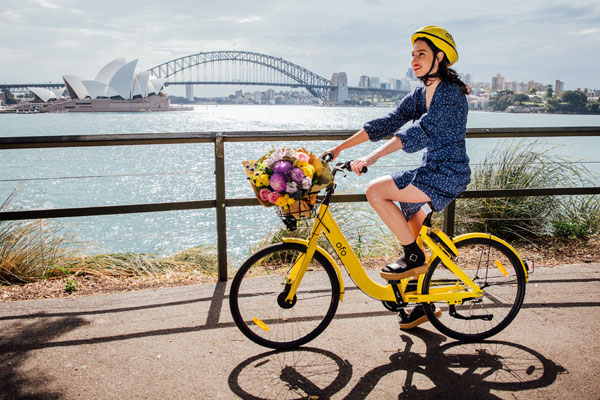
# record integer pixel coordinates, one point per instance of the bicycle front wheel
(258, 292)
(497, 271)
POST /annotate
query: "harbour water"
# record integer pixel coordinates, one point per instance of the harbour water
(79, 177)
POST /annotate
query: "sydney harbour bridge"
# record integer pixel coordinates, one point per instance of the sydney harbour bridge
(248, 68)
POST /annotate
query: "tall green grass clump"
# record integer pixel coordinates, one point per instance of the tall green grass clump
(29, 250)
(526, 165)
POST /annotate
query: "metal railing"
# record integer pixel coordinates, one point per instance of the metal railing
(220, 203)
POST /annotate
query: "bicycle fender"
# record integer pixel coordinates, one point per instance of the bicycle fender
(497, 239)
(327, 256)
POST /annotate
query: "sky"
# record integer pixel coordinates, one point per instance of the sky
(523, 40)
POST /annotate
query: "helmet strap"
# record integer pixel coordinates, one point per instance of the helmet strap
(428, 76)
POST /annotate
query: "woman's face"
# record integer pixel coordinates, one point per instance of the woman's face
(422, 58)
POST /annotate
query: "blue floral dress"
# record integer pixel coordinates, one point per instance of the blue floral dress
(440, 130)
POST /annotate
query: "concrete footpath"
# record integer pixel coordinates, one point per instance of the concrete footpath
(181, 343)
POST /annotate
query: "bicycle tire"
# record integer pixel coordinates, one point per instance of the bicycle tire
(497, 270)
(258, 289)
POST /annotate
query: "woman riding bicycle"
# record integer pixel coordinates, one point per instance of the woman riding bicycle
(438, 111)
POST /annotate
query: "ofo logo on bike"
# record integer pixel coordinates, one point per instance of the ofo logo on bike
(341, 248)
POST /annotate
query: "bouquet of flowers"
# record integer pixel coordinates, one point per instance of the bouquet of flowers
(288, 178)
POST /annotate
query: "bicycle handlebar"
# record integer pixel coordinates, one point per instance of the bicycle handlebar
(327, 157)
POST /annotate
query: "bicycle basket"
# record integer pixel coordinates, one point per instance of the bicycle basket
(300, 210)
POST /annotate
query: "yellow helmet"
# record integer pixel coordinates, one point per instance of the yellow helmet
(440, 38)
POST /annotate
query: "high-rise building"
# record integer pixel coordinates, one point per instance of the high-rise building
(497, 82)
(559, 87)
(374, 82)
(410, 74)
(468, 78)
(364, 81)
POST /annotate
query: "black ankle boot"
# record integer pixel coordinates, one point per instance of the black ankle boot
(412, 263)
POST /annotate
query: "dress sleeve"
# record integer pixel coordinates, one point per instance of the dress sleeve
(441, 120)
(380, 128)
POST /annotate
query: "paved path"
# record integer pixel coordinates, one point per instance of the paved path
(181, 343)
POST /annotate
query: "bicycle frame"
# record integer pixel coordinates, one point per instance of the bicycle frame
(325, 223)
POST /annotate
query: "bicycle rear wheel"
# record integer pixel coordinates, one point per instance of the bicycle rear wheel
(259, 289)
(497, 271)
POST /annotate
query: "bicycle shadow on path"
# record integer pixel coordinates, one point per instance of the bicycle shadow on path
(451, 370)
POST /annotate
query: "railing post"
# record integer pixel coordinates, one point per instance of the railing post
(221, 212)
(449, 215)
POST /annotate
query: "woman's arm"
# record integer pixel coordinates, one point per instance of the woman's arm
(356, 139)
(392, 145)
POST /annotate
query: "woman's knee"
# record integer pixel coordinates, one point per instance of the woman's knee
(373, 191)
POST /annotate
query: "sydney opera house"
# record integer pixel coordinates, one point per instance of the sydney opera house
(119, 86)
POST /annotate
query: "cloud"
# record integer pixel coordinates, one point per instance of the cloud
(46, 4)
(524, 41)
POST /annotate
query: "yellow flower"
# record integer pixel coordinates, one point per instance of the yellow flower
(309, 171)
(290, 201)
(302, 164)
(264, 179)
(281, 201)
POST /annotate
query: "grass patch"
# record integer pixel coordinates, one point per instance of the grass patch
(29, 250)
(524, 165)
(36, 250)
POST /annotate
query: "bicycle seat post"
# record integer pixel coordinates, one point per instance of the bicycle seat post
(426, 208)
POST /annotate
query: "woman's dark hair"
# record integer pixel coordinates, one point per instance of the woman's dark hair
(445, 73)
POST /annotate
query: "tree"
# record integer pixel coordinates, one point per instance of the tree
(501, 100)
(520, 98)
(576, 102)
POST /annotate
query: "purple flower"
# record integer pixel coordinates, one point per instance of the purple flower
(278, 182)
(297, 175)
(292, 187)
(306, 183)
(282, 167)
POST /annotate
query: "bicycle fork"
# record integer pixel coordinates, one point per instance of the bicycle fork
(297, 272)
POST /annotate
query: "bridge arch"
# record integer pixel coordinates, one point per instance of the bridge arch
(290, 74)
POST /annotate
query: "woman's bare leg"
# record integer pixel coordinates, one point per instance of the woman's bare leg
(382, 193)
(416, 222)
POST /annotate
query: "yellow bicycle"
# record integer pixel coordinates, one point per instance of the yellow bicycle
(286, 294)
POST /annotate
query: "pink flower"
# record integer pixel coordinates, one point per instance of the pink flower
(273, 197)
(278, 182)
(264, 194)
(302, 156)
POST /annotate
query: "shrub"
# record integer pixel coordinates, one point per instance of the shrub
(522, 165)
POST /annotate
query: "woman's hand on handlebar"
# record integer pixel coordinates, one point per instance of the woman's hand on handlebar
(360, 166)
(334, 153)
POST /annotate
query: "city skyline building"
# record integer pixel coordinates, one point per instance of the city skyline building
(559, 87)
(498, 82)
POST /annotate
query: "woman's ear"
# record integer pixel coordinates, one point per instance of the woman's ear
(440, 56)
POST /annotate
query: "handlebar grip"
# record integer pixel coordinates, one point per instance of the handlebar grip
(347, 166)
(327, 157)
